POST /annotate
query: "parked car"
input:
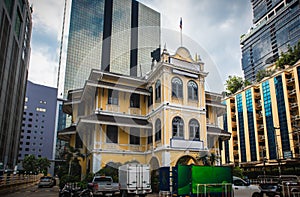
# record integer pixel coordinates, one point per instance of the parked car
(242, 188)
(104, 186)
(284, 185)
(46, 181)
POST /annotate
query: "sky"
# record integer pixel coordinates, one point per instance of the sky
(211, 29)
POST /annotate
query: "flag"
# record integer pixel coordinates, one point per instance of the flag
(180, 24)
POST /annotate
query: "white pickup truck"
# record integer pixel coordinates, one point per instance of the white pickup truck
(243, 189)
(104, 186)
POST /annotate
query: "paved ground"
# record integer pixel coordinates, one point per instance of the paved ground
(31, 191)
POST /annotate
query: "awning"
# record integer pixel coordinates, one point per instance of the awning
(121, 121)
(223, 135)
(119, 87)
(66, 133)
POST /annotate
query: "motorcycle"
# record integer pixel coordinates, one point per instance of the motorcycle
(68, 191)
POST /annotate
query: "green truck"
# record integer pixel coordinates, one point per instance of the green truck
(184, 180)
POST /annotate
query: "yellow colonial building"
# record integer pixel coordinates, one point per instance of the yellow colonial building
(264, 122)
(159, 119)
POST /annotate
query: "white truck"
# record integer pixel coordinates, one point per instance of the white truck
(134, 179)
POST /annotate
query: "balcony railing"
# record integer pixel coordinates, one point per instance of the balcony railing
(186, 144)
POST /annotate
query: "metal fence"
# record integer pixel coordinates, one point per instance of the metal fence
(11, 181)
(214, 190)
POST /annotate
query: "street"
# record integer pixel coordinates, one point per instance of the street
(34, 191)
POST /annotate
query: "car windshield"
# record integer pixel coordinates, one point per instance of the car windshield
(102, 179)
(45, 179)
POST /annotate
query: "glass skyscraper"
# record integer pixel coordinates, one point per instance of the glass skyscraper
(276, 24)
(111, 35)
(15, 35)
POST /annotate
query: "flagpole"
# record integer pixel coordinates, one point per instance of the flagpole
(181, 36)
(180, 25)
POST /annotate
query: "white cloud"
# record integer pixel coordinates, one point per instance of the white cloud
(47, 16)
(42, 68)
(214, 25)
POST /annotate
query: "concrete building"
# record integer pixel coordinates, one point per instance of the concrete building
(38, 135)
(264, 121)
(114, 36)
(276, 24)
(15, 35)
(160, 119)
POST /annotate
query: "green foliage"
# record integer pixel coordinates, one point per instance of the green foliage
(263, 73)
(237, 171)
(290, 57)
(111, 169)
(208, 159)
(235, 83)
(33, 165)
(30, 164)
(43, 164)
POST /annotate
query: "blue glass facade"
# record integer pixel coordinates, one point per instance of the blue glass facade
(262, 7)
(226, 143)
(114, 36)
(241, 128)
(251, 130)
(285, 141)
(269, 120)
(267, 40)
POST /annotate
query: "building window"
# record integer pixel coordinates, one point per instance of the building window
(194, 130)
(192, 90)
(157, 90)
(150, 98)
(113, 97)
(177, 127)
(177, 89)
(150, 136)
(157, 130)
(78, 141)
(135, 100)
(134, 136)
(111, 134)
(40, 109)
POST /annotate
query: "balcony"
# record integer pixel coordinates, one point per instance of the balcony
(261, 138)
(292, 92)
(186, 144)
(293, 105)
(296, 117)
(261, 127)
(291, 80)
(134, 111)
(112, 108)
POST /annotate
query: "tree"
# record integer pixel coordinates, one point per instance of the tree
(72, 155)
(235, 83)
(43, 164)
(30, 164)
(290, 57)
(263, 73)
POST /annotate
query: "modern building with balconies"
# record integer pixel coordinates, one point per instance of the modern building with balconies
(264, 121)
(276, 24)
(161, 119)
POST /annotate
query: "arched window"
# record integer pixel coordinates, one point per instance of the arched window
(192, 90)
(177, 90)
(157, 130)
(177, 127)
(150, 98)
(194, 130)
(157, 90)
